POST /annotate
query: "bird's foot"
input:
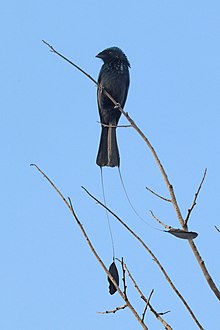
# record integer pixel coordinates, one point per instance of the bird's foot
(101, 89)
(117, 106)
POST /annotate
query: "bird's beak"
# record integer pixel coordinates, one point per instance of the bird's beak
(100, 55)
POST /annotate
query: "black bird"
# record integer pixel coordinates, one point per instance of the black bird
(114, 78)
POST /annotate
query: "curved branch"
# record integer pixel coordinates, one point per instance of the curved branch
(152, 255)
(161, 197)
(70, 207)
(161, 168)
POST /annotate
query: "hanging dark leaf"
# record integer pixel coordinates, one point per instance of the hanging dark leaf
(114, 272)
(182, 233)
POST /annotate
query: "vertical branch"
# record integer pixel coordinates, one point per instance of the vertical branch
(124, 279)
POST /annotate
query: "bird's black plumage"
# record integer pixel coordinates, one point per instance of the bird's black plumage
(114, 78)
(114, 272)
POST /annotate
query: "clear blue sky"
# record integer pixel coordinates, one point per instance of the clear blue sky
(49, 280)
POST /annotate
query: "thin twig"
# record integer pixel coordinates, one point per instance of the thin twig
(161, 197)
(52, 184)
(195, 198)
(147, 300)
(114, 310)
(217, 228)
(163, 313)
(123, 278)
(164, 175)
(159, 221)
(66, 59)
(114, 126)
(152, 255)
(158, 316)
(162, 170)
(147, 304)
(70, 207)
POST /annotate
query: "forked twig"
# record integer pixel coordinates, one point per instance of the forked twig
(70, 207)
(159, 221)
(164, 175)
(147, 301)
(195, 198)
(147, 304)
(114, 310)
(161, 168)
(124, 291)
(152, 255)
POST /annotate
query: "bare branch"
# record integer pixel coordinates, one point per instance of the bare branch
(161, 168)
(152, 255)
(183, 234)
(70, 207)
(147, 301)
(123, 277)
(163, 313)
(158, 316)
(147, 304)
(52, 184)
(195, 198)
(114, 126)
(163, 173)
(204, 269)
(114, 310)
(159, 221)
(70, 62)
(217, 228)
(161, 197)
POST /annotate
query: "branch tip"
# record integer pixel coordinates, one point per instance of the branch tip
(195, 199)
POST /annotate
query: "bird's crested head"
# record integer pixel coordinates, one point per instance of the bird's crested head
(113, 53)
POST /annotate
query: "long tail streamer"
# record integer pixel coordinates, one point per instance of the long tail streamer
(107, 215)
